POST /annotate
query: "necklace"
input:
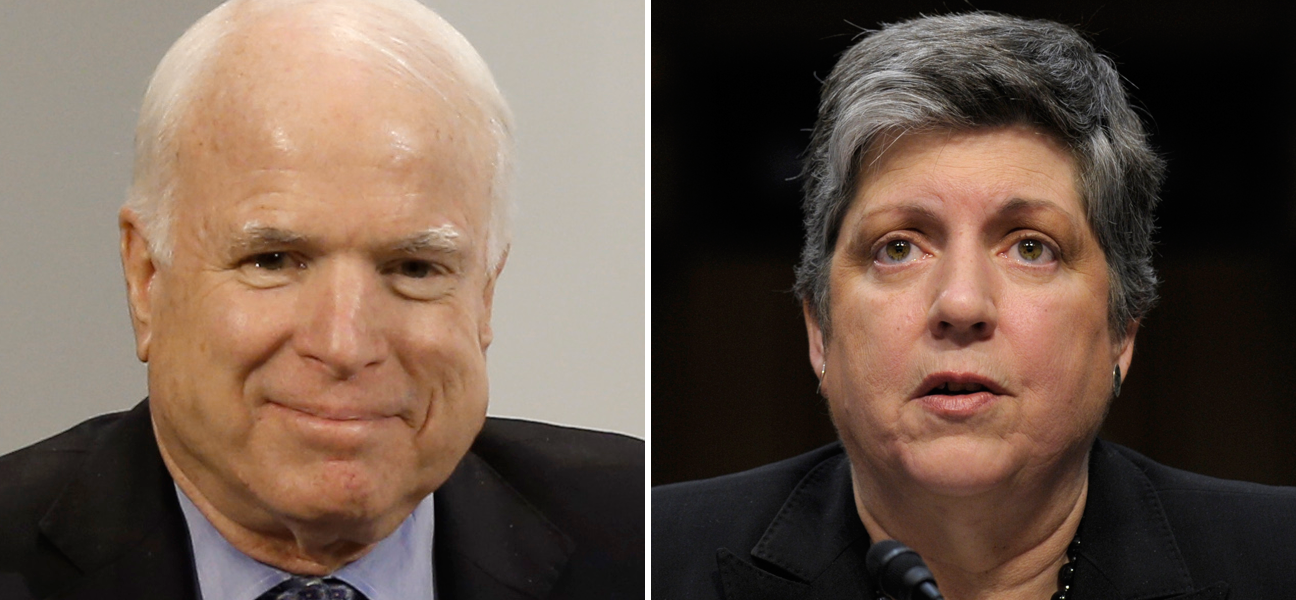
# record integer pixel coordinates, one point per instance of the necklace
(1067, 572)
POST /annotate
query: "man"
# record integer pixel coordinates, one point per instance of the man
(317, 220)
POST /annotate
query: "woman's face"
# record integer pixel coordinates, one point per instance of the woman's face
(970, 344)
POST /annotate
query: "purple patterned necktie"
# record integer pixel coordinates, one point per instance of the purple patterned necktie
(312, 588)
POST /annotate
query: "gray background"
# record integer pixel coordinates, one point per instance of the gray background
(569, 309)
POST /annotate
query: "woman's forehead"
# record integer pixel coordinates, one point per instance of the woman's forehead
(976, 172)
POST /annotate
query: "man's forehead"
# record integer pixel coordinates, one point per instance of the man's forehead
(287, 67)
(289, 102)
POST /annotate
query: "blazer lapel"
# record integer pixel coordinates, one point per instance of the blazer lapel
(490, 542)
(1128, 550)
(119, 523)
(814, 548)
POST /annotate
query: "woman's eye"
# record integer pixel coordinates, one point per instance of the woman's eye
(1032, 251)
(897, 251)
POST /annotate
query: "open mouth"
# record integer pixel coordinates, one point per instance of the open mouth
(958, 396)
(951, 388)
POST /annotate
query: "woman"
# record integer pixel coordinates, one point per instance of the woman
(978, 215)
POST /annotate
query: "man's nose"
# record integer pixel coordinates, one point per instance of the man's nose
(339, 327)
(963, 308)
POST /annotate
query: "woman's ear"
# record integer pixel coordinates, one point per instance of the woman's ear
(1125, 349)
(818, 353)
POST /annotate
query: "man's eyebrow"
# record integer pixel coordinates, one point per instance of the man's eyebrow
(438, 239)
(256, 236)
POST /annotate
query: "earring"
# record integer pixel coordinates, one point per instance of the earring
(1116, 382)
(822, 370)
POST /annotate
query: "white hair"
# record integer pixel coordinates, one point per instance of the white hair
(401, 36)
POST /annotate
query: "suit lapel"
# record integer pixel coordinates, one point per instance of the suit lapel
(119, 523)
(120, 526)
(490, 542)
(1128, 550)
(814, 548)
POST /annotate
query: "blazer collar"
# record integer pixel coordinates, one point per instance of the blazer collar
(815, 545)
(491, 542)
(1127, 548)
(119, 523)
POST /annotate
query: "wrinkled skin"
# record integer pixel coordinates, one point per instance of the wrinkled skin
(317, 343)
(970, 362)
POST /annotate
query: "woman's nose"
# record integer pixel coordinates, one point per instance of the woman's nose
(963, 307)
(338, 320)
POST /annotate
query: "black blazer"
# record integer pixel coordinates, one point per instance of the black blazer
(533, 511)
(790, 530)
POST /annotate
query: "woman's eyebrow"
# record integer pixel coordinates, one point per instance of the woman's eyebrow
(1032, 206)
(908, 209)
(1028, 205)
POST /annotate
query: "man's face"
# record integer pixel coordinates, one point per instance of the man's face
(317, 344)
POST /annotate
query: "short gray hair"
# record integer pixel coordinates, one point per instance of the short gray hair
(980, 70)
(402, 36)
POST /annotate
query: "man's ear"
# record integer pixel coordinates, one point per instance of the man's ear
(485, 335)
(818, 353)
(140, 269)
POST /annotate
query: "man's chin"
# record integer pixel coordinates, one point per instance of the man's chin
(341, 500)
(359, 522)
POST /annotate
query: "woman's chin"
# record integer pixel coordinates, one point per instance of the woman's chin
(958, 466)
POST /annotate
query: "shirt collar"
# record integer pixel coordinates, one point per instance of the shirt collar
(398, 567)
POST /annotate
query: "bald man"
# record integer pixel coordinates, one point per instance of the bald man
(318, 217)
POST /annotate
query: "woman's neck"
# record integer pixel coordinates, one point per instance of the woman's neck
(1004, 544)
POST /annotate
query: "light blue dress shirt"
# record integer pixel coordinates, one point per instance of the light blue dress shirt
(397, 568)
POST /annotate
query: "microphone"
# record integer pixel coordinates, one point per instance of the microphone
(900, 572)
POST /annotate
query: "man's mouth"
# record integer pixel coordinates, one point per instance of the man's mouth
(339, 414)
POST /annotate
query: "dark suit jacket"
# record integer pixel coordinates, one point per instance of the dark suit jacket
(533, 511)
(789, 530)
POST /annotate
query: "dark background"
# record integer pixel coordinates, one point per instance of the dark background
(734, 90)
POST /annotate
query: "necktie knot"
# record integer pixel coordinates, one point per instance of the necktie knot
(313, 588)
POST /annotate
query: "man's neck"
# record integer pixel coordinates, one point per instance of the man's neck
(398, 567)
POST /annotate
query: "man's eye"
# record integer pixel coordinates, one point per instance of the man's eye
(420, 279)
(271, 269)
(270, 261)
(415, 269)
(1032, 251)
(897, 252)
